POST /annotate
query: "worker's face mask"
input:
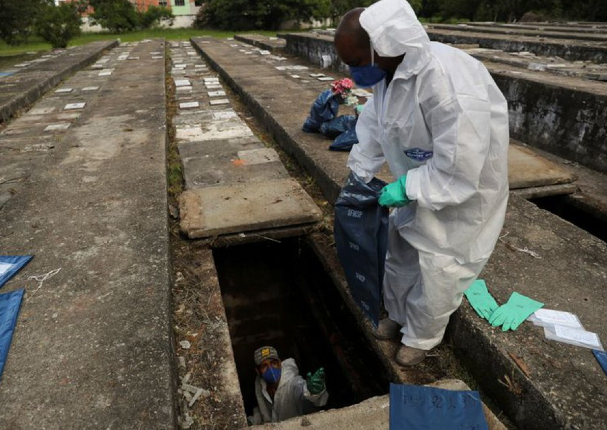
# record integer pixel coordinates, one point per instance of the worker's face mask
(369, 75)
(271, 375)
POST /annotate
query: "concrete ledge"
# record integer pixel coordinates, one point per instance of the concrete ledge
(263, 42)
(25, 87)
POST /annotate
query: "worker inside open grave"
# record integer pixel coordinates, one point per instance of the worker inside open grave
(281, 392)
(441, 123)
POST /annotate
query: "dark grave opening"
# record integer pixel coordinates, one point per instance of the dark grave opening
(280, 295)
(561, 206)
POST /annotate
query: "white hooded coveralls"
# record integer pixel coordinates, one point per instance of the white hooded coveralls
(443, 122)
(292, 398)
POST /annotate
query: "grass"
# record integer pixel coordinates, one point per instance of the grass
(36, 44)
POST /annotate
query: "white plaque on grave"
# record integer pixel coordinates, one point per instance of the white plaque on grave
(184, 89)
(213, 87)
(326, 78)
(157, 57)
(180, 66)
(90, 88)
(105, 73)
(64, 90)
(217, 93)
(224, 114)
(55, 127)
(219, 102)
(188, 105)
(200, 66)
(182, 83)
(71, 106)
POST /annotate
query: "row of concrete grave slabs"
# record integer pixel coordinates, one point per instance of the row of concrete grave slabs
(92, 345)
(282, 102)
(276, 273)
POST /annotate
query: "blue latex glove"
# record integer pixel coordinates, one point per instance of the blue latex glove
(395, 194)
(316, 382)
(513, 313)
(481, 301)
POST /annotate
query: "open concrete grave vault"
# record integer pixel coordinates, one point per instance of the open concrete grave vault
(249, 253)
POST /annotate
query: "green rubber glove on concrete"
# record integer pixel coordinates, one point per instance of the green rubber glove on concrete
(395, 194)
(316, 382)
(481, 301)
(513, 313)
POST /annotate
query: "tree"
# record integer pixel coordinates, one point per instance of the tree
(252, 14)
(58, 24)
(156, 15)
(17, 18)
(116, 15)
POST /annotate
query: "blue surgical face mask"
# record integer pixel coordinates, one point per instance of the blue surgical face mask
(369, 75)
(271, 375)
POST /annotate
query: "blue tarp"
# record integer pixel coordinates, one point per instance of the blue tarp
(414, 407)
(9, 309)
(361, 238)
(10, 265)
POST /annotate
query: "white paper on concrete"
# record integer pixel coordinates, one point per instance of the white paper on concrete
(70, 106)
(219, 102)
(5, 267)
(543, 317)
(573, 336)
(64, 90)
(55, 127)
(216, 93)
(182, 83)
(189, 105)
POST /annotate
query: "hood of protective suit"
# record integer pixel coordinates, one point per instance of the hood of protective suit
(394, 30)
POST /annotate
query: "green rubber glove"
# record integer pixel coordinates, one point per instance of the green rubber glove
(316, 382)
(513, 313)
(395, 194)
(481, 301)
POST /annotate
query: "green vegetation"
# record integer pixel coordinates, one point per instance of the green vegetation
(57, 25)
(36, 44)
(120, 16)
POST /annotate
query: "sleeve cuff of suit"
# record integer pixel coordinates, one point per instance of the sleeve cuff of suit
(412, 185)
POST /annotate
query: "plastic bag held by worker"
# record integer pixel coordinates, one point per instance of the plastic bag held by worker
(361, 237)
(324, 109)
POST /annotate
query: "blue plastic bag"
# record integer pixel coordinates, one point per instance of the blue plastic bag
(414, 407)
(10, 265)
(338, 125)
(9, 310)
(324, 109)
(601, 357)
(345, 141)
(361, 238)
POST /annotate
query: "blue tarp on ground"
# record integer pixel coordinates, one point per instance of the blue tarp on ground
(9, 309)
(10, 265)
(414, 407)
(361, 238)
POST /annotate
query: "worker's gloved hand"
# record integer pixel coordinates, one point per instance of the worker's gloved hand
(316, 382)
(513, 313)
(481, 301)
(395, 194)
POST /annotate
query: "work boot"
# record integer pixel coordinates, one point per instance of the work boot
(387, 329)
(409, 356)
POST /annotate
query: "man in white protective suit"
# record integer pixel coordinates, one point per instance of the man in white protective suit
(440, 122)
(281, 392)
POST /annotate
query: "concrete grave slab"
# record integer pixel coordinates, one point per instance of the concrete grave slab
(213, 86)
(219, 102)
(189, 105)
(528, 169)
(57, 127)
(225, 168)
(214, 148)
(258, 156)
(157, 57)
(213, 131)
(71, 106)
(41, 111)
(216, 93)
(240, 208)
(184, 89)
(182, 83)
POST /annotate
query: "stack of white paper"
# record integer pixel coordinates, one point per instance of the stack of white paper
(565, 327)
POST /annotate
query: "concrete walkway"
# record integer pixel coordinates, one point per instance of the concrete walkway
(86, 171)
(29, 83)
(569, 275)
